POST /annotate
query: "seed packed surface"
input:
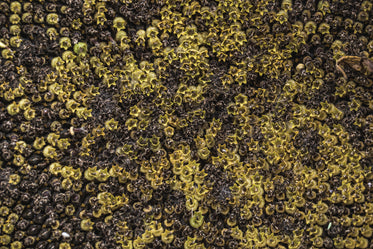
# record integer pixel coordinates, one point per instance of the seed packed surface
(186, 124)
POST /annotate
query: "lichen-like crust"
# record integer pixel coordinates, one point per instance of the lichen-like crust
(135, 124)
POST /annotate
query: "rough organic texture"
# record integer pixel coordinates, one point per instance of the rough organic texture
(186, 124)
